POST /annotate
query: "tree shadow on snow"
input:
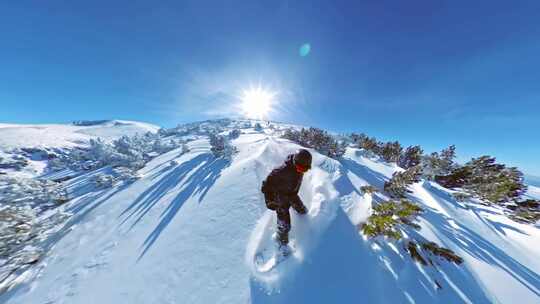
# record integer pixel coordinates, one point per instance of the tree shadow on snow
(344, 186)
(482, 249)
(476, 208)
(193, 178)
(478, 246)
(344, 268)
(335, 271)
(91, 201)
(153, 194)
(374, 178)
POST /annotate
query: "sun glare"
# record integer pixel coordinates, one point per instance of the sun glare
(257, 102)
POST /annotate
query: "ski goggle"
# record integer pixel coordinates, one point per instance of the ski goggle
(301, 168)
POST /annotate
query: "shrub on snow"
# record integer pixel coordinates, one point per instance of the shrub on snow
(24, 224)
(365, 142)
(486, 179)
(369, 189)
(397, 185)
(103, 180)
(130, 152)
(527, 211)
(197, 128)
(13, 161)
(31, 192)
(391, 151)
(257, 127)
(124, 152)
(317, 139)
(390, 217)
(234, 134)
(439, 163)
(221, 146)
(15, 227)
(411, 157)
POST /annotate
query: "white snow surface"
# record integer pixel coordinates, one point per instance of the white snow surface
(66, 135)
(187, 231)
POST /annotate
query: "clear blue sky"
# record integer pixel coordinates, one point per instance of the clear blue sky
(423, 72)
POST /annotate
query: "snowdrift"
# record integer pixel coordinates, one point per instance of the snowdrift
(187, 231)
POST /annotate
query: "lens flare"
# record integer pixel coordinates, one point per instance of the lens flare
(304, 49)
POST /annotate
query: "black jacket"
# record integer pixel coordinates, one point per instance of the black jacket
(281, 187)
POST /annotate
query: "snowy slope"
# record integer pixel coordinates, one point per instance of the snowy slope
(39, 140)
(66, 135)
(186, 232)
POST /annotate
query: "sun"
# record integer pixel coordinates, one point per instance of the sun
(257, 102)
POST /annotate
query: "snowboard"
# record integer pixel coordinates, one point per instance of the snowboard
(271, 257)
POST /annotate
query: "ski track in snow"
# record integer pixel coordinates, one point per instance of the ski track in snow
(188, 233)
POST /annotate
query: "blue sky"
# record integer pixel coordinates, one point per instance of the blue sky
(423, 72)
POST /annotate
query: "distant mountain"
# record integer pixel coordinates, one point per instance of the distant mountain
(13, 136)
(532, 180)
(25, 148)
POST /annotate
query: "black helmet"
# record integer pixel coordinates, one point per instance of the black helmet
(303, 158)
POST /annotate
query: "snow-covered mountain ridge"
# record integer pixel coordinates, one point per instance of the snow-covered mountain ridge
(14, 136)
(185, 229)
(532, 180)
(24, 149)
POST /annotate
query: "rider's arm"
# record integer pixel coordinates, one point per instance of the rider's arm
(298, 205)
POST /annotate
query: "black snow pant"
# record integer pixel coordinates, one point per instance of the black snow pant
(283, 225)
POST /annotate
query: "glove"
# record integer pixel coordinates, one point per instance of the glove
(298, 205)
(301, 209)
(271, 205)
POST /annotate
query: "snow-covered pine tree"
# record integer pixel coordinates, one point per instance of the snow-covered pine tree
(291, 135)
(257, 127)
(369, 189)
(26, 220)
(317, 139)
(221, 146)
(411, 157)
(526, 211)
(234, 134)
(485, 178)
(438, 164)
(397, 185)
(103, 180)
(391, 151)
(390, 217)
(365, 142)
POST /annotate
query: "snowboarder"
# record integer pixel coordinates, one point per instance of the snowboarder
(281, 192)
